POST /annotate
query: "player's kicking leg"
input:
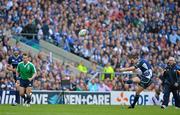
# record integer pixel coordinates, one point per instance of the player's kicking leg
(136, 98)
(138, 90)
(143, 83)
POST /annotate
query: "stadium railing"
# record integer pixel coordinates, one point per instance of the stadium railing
(47, 47)
(36, 46)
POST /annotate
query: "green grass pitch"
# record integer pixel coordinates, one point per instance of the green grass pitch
(85, 110)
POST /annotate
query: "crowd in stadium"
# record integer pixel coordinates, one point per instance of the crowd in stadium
(115, 29)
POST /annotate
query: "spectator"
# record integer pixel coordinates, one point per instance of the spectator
(102, 87)
(92, 86)
(173, 38)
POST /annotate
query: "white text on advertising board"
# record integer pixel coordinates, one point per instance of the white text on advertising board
(87, 99)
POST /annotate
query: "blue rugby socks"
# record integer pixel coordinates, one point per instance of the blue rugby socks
(135, 100)
(17, 97)
(129, 81)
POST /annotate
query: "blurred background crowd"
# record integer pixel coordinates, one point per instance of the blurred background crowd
(115, 28)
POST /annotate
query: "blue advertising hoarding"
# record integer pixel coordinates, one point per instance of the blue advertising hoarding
(7, 97)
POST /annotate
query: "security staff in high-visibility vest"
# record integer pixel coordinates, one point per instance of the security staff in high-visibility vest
(108, 72)
(82, 68)
(171, 83)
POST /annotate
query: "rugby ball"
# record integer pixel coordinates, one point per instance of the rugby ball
(83, 32)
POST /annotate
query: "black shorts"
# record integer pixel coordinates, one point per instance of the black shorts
(145, 82)
(26, 83)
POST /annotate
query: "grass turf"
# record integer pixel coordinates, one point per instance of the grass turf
(85, 110)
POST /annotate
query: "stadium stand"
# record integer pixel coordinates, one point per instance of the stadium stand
(114, 29)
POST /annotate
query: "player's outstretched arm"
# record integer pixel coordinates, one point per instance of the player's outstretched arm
(127, 69)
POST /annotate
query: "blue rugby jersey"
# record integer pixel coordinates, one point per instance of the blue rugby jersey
(13, 60)
(145, 67)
